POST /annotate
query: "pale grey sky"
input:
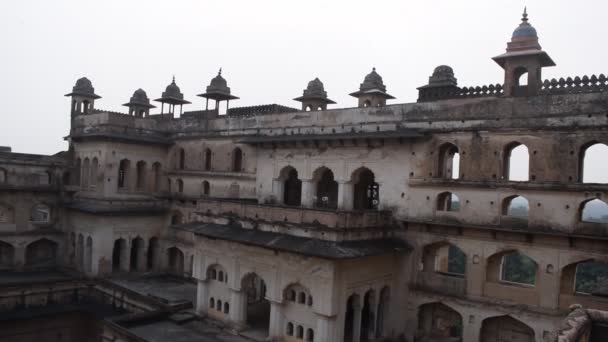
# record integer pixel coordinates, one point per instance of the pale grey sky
(269, 50)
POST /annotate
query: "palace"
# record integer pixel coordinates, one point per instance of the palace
(470, 215)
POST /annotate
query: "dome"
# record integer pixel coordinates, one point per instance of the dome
(173, 91)
(83, 87)
(140, 97)
(218, 85)
(315, 88)
(443, 75)
(524, 29)
(373, 81)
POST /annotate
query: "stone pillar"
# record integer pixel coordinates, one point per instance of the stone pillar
(308, 194)
(325, 330)
(475, 273)
(345, 195)
(275, 329)
(471, 328)
(142, 257)
(357, 309)
(201, 297)
(238, 308)
(125, 256)
(278, 190)
(548, 283)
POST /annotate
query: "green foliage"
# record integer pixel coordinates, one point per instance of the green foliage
(518, 268)
(589, 275)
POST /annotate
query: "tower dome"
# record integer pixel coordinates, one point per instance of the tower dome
(372, 81)
(173, 91)
(524, 29)
(372, 92)
(315, 88)
(84, 88)
(218, 90)
(139, 98)
(315, 96)
(218, 84)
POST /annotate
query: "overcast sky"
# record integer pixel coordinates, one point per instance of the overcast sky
(268, 50)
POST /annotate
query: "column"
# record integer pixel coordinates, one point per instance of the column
(475, 273)
(278, 189)
(471, 327)
(125, 256)
(357, 308)
(325, 330)
(201, 297)
(548, 283)
(275, 330)
(345, 195)
(142, 256)
(308, 194)
(238, 308)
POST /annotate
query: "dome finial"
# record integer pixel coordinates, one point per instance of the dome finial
(220, 72)
(524, 17)
(173, 79)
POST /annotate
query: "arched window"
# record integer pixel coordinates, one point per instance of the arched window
(292, 188)
(289, 329)
(41, 253)
(206, 188)
(590, 276)
(447, 201)
(310, 335)
(226, 308)
(518, 268)
(291, 295)
(237, 160)
(592, 168)
(595, 211)
(516, 164)
(299, 332)
(449, 161)
(440, 321)
(366, 190)
(41, 213)
(515, 206)
(302, 298)
(123, 174)
(156, 169)
(94, 167)
(367, 103)
(213, 274)
(7, 255)
(220, 276)
(141, 175)
(86, 172)
(326, 189)
(444, 258)
(520, 81)
(212, 303)
(182, 159)
(180, 186)
(308, 108)
(208, 157)
(309, 302)
(219, 305)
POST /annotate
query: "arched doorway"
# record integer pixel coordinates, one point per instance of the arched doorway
(351, 317)
(258, 307)
(366, 191)
(326, 189)
(41, 254)
(505, 328)
(292, 189)
(368, 316)
(88, 255)
(437, 321)
(118, 255)
(7, 255)
(176, 261)
(383, 304)
(152, 254)
(137, 254)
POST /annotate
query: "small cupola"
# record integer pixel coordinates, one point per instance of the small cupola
(172, 96)
(139, 104)
(314, 97)
(442, 85)
(83, 97)
(372, 92)
(523, 61)
(219, 91)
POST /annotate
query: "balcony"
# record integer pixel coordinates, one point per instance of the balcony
(442, 283)
(298, 215)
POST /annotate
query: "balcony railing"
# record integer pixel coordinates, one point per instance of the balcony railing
(324, 217)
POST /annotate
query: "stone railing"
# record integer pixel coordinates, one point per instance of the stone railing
(298, 215)
(261, 109)
(443, 283)
(575, 85)
(444, 93)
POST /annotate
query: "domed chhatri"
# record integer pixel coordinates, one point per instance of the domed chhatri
(315, 96)
(172, 96)
(443, 76)
(372, 92)
(84, 88)
(139, 104)
(524, 58)
(218, 90)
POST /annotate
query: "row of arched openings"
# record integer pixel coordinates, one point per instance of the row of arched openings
(512, 266)
(439, 322)
(371, 311)
(236, 155)
(366, 191)
(591, 210)
(298, 332)
(516, 162)
(141, 176)
(135, 256)
(217, 305)
(39, 254)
